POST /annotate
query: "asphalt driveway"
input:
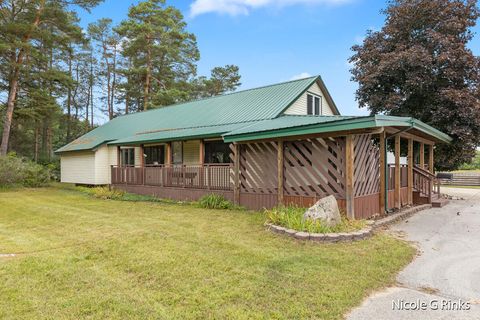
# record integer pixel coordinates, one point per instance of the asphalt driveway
(444, 280)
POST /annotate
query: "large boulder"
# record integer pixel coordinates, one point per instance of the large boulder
(325, 210)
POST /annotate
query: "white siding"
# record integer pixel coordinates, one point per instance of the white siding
(105, 157)
(299, 107)
(78, 167)
(88, 167)
(191, 152)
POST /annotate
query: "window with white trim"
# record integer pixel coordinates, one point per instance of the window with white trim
(314, 105)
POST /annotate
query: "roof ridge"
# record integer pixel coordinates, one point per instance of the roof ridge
(222, 95)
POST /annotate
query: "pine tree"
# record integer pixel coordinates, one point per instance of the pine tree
(162, 53)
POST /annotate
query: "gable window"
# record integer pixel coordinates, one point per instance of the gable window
(154, 155)
(127, 157)
(217, 152)
(314, 105)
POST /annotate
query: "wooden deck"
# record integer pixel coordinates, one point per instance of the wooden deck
(295, 172)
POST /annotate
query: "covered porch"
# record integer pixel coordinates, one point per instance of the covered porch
(370, 171)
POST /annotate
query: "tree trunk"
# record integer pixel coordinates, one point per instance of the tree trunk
(69, 99)
(146, 93)
(91, 82)
(14, 86)
(114, 74)
(37, 143)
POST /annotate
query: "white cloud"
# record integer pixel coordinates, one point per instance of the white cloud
(243, 7)
(302, 75)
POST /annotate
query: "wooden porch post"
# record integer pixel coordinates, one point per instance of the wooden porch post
(236, 175)
(430, 159)
(350, 179)
(422, 155)
(280, 164)
(383, 164)
(142, 156)
(119, 155)
(201, 161)
(397, 191)
(410, 171)
(168, 153)
(142, 162)
(201, 156)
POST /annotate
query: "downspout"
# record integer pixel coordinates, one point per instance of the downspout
(386, 163)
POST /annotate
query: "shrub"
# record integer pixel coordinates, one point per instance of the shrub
(112, 194)
(103, 193)
(15, 171)
(292, 217)
(214, 201)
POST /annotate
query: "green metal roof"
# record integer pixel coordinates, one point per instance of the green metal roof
(286, 126)
(239, 107)
(180, 134)
(242, 116)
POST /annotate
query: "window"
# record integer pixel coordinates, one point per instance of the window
(217, 152)
(314, 105)
(154, 155)
(128, 157)
(177, 152)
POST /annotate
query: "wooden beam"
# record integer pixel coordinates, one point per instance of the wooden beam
(280, 167)
(410, 171)
(397, 191)
(318, 135)
(431, 164)
(236, 174)
(422, 155)
(383, 164)
(350, 177)
(408, 135)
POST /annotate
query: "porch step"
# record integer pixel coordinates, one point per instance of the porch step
(438, 203)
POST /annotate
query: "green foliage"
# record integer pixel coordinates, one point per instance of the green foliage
(292, 217)
(214, 201)
(161, 51)
(474, 165)
(15, 171)
(420, 65)
(106, 193)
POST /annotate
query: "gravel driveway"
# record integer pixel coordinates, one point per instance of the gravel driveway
(445, 276)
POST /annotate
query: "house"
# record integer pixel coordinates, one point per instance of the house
(280, 144)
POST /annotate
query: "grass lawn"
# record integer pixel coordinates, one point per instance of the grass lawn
(80, 257)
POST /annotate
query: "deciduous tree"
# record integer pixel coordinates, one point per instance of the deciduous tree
(419, 65)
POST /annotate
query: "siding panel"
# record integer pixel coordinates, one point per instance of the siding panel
(78, 167)
(299, 107)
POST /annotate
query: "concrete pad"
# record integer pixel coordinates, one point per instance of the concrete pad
(448, 266)
(423, 306)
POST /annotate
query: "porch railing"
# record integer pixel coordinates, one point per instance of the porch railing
(210, 177)
(425, 182)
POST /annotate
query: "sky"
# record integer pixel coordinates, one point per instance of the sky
(277, 40)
